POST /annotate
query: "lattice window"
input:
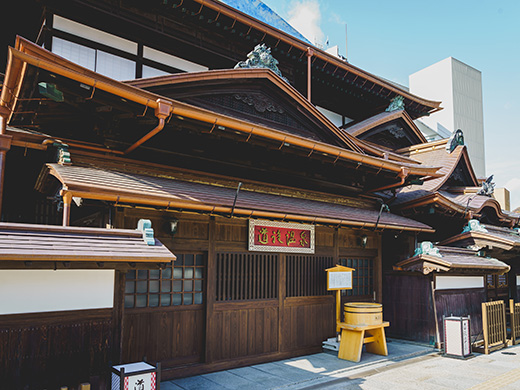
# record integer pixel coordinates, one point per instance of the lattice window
(179, 284)
(490, 281)
(502, 281)
(246, 276)
(362, 277)
(306, 275)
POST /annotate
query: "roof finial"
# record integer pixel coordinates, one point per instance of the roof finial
(397, 103)
(457, 138)
(261, 57)
(427, 248)
(488, 187)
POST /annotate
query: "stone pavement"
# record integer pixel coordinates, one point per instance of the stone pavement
(314, 371)
(408, 366)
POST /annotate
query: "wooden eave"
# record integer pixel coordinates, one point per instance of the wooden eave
(28, 54)
(360, 128)
(482, 240)
(439, 199)
(49, 243)
(427, 264)
(137, 189)
(385, 87)
(213, 77)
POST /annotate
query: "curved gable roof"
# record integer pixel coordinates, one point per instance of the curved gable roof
(247, 85)
(405, 128)
(436, 154)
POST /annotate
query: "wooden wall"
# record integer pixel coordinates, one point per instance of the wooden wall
(409, 306)
(54, 349)
(461, 303)
(230, 329)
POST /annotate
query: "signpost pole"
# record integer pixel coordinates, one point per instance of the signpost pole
(338, 310)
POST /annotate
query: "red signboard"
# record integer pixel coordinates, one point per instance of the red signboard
(281, 237)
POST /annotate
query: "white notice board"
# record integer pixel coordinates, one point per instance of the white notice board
(339, 280)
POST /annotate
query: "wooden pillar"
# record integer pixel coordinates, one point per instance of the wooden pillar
(310, 53)
(282, 292)
(118, 317)
(210, 289)
(378, 277)
(5, 145)
(67, 199)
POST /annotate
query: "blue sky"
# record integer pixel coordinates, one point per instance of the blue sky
(394, 39)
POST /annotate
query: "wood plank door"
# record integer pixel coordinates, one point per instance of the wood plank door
(164, 312)
(245, 316)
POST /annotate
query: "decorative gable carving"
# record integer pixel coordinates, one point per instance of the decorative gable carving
(260, 102)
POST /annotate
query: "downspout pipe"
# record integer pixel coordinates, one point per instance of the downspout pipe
(402, 175)
(162, 112)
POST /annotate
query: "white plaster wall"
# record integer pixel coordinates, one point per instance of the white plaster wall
(334, 117)
(458, 282)
(32, 291)
(93, 34)
(171, 60)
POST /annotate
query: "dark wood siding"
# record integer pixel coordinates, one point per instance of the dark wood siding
(257, 306)
(58, 348)
(408, 306)
(461, 303)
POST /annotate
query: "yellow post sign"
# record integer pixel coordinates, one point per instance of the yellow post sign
(339, 278)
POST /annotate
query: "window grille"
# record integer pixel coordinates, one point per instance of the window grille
(306, 275)
(179, 284)
(246, 276)
(362, 277)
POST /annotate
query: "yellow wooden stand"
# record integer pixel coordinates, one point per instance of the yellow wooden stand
(354, 336)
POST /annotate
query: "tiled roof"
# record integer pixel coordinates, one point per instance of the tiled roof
(102, 183)
(437, 156)
(362, 127)
(453, 259)
(495, 237)
(31, 242)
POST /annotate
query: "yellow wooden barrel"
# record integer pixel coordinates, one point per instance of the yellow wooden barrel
(363, 313)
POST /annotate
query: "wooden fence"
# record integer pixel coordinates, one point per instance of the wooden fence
(514, 311)
(493, 327)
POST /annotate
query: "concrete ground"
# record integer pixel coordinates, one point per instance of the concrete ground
(300, 372)
(408, 366)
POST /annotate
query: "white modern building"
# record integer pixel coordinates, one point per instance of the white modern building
(459, 87)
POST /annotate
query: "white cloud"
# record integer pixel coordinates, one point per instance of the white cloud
(305, 16)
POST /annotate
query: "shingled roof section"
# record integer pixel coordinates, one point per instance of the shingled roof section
(125, 187)
(492, 237)
(30, 242)
(453, 260)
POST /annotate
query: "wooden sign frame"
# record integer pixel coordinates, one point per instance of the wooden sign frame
(332, 272)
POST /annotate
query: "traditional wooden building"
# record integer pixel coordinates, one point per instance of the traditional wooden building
(257, 160)
(422, 288)
(240, 171)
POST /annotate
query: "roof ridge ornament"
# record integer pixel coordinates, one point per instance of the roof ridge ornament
(397, 103)
(457, 138)
(474, 226)
(427, 248)
(488, 187)
(261, 57)
(145, 226)
(62, 153)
